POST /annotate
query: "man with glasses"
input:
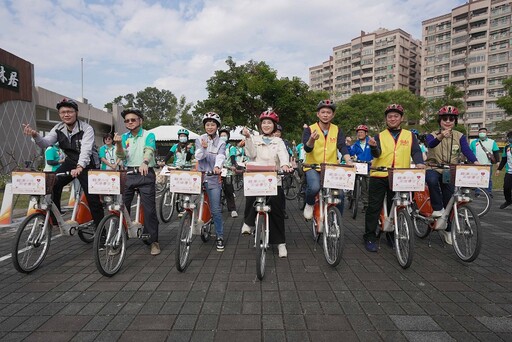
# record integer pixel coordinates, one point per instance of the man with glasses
(76, 140)
(137, 148)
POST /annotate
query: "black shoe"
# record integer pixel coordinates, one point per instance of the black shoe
(504, 205)
(220, 245)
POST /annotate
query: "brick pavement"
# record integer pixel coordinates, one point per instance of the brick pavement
(368, 297)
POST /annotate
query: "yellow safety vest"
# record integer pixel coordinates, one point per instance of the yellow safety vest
(394, 154)
(326, 147)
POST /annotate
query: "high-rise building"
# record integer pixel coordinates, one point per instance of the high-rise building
(372, 62)
(470, 49)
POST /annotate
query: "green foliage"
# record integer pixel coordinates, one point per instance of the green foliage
(505, 102)
(160, 107)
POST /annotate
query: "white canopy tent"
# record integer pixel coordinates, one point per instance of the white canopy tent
(170, 133)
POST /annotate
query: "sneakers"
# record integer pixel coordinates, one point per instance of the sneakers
(371, 246)
(155, 248)
(234, 213)
(308, 212)
(504, 205)
(437, 213)
(246, 229)
(220, 245)
(283, 253)
(446, 236)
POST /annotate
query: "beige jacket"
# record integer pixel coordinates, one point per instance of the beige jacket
(274, 153)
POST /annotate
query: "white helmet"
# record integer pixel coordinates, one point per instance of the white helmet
(212, 116)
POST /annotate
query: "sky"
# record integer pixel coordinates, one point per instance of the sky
(128, 45)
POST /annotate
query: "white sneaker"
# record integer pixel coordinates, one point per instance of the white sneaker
(437, 213)
(246, 229)
(446, 236)
(234, 213)
(308, 212)
(283, 253)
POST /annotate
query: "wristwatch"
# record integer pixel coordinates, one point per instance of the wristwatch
(146, 162)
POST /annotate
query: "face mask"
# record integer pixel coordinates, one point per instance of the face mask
(482, 135)
(224, 138)
(183, 139)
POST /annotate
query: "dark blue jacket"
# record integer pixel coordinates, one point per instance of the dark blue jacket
(357, 150)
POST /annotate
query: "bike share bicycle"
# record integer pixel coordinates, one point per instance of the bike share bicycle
(354, 196)
(170, 201)
(327, 220)
(402, 182)
(33, 236)
(466, 230)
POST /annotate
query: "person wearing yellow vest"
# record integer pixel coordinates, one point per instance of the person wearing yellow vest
(392, 147)
(321, 141)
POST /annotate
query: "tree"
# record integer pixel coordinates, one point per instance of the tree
(242, 92)
(505, 102)
(160, 107)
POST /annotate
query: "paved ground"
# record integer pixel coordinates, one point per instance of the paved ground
(368, 297)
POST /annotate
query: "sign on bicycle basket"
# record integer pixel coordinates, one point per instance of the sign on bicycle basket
(185, 182)
(104, 182)
(338, 176)
(361, 168)
(28, 183)
(472, 176)
(408, 179)
(260, 183)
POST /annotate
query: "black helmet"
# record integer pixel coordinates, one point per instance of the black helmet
(326, 103)
(67, 103)
(132, 111)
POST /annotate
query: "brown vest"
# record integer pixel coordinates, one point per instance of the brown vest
(448, 151)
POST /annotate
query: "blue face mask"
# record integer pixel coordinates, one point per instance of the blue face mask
(224, 138)
(482, 135)
(183, 139)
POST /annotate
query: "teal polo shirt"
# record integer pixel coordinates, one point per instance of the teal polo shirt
(138, 147)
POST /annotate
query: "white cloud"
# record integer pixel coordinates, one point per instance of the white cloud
(128, 45)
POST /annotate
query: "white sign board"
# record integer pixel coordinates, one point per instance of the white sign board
(339, 177)
(28, 183)
(408, 180)
(104, 182)
(260, 183)
(361, 168)
(472, 176)
(185, 182)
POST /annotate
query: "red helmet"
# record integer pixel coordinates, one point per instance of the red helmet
(394, 108)
(269, 114)
(362, 128)
(448, 110)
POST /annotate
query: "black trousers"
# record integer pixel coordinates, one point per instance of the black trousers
(507, 187)
(378, 188)
(276, 216)
(227, 187)
(146, 186)
(93, 200)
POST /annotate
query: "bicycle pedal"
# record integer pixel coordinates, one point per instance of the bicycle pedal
(145, 236)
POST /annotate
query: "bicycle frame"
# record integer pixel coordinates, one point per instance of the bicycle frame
(262, 209)
(401, 199)
(133, 228)
(326, 198)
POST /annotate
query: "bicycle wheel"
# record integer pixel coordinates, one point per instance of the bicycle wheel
(333, 237)
(421, 227)
(206, 231)
(109, 246)
(184, 241)
(31, 243)
(167, 206)
(86, 234)
(238, 182)
(292, 187)
(261, 243)
(482, 203)
(356, 197)
(466, 233)
(404, 239)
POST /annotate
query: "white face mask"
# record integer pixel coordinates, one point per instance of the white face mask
(482, 135)
(224, 138)
(183, 139)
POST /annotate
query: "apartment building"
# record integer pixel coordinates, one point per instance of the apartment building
(372, 62)
(470, 48)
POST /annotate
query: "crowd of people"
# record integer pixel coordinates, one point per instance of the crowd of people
(70, 147)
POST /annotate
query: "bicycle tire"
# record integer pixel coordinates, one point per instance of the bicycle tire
(167, 206)
(86, 234)
(184, 240)
(356, 198)
(350, 198)
(261, 250)
(292, 190)
(238, 182)
(404, 238)
(109, 254)
(481, 204)
(333, 237)
(23, 249)
(421, 227)
(466, 239)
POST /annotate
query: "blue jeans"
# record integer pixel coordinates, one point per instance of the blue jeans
(313, 187)
(440, 193)
(213, 191)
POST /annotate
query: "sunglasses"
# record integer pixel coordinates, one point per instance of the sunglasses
(130, 120)
(448, 118)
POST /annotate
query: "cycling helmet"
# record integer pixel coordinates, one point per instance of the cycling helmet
(183, 131)
(415, 132)
(394, 108)
(67, 103)
(132, 111)
(362, 128)
(270, 114)
(225, 129)
(448, 110)
(326, 103)
(212, 116)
